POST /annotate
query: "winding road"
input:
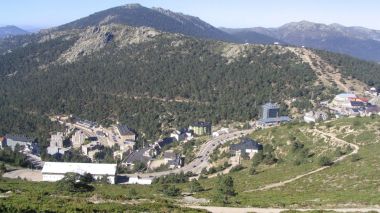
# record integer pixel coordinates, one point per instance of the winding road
(337, 142)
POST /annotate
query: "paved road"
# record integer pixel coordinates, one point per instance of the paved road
(202, 157)
(275, 210)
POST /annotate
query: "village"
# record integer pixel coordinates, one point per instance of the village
(141, 164)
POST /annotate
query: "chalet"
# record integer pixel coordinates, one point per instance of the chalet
(201, 128)
(26, 143)
(246, 146)
(182, 135)
(143, 155)
(172, 160)
(163, 142)
(125, 133)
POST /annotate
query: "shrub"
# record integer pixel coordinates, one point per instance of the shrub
(252, 171)
(195, 186)
(355, 157)
(72, 182)
(224, 189)
(257, 158)
(325, 161)
(171, 190)
(236, 168)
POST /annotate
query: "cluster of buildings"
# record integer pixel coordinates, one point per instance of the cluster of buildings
(349, 104)
(148, 154)
(90, 138)
(56, 144)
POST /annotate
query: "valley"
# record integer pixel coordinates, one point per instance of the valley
(143, 109)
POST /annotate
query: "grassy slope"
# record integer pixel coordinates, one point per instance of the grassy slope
(347, 183)
(344, 184)
(112, 198)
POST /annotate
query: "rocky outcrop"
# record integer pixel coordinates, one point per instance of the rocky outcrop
(93, 39)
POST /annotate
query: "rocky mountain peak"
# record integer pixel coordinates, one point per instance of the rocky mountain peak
(133, 6)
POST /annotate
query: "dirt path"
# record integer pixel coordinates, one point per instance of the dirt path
(275, 210)
(29, 174)
(336, 141)
(327, 74)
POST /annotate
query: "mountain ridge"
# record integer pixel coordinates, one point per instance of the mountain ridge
(11, 30)
(356, 41)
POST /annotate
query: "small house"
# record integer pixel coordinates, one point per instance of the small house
(246, 146)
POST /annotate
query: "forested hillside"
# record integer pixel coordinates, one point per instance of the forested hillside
(147, 79)
(367, 72)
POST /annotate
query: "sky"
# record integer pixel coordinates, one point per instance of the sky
(32, 14)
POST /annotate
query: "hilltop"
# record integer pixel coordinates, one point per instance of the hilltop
(10, 30)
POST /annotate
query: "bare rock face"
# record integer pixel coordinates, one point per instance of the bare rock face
(94, 39)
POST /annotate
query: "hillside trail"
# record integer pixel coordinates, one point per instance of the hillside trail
(326, 73)
(217, 209)
(336, 142)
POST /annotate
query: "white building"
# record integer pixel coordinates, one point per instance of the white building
(78, 139)
(139, 180)
(56, 140)
(54, 171)
(92, 148)
(222, 131)
(315, 116)
(53, 150)
(182, 135)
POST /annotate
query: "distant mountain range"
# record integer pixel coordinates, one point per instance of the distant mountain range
(11, 31)
(359, 42)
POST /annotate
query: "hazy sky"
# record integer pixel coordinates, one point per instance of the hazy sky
(226, 13)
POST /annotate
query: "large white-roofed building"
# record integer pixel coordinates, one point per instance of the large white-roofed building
(54, 171)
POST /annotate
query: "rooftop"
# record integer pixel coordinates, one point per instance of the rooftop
(21, 138)
(124, 130)
(165, 141)
(138, 156)
(201, 124)
(271, 105)
(170, 155)
(80, 168)
(346, 95)
(246, 143)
